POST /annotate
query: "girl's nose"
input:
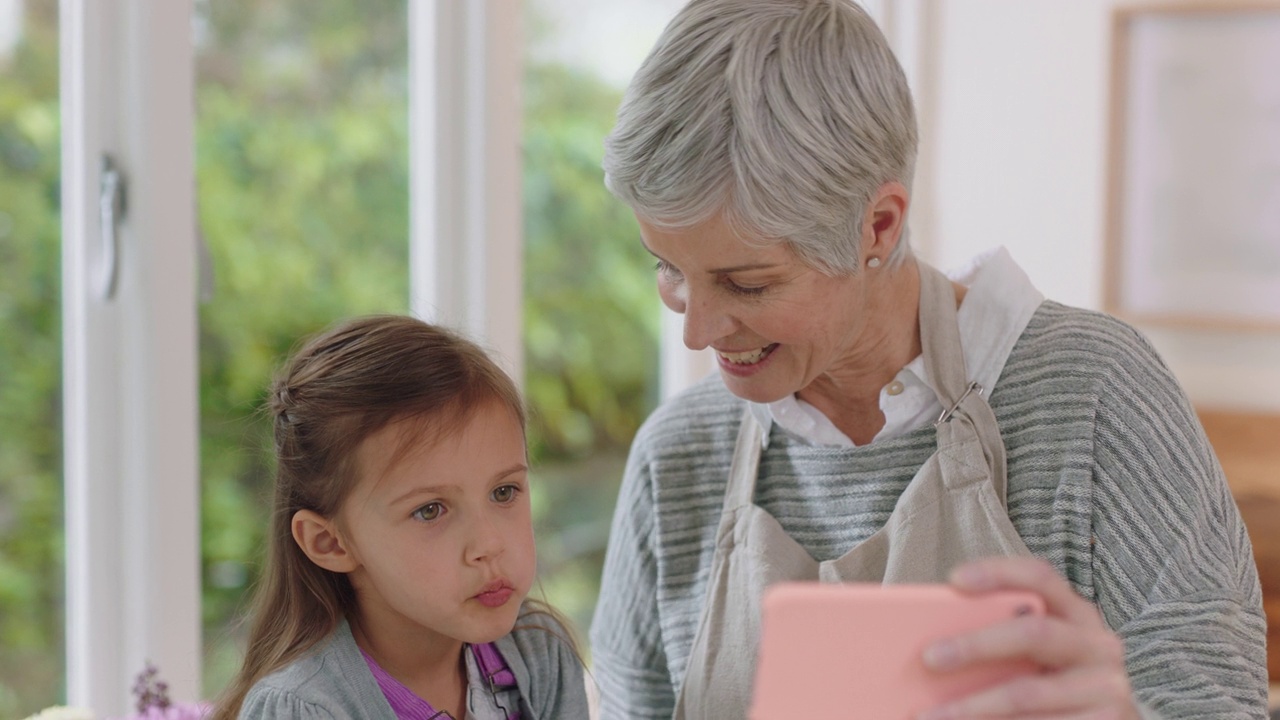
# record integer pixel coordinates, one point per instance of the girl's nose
(486, 542)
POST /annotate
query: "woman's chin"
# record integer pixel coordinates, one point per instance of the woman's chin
(756, 388)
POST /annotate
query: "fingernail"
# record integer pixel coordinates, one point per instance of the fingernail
(942, 655)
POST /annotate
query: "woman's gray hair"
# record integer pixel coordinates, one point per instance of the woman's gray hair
(784, 116)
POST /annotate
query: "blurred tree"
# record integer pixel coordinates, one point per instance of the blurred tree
(302, 170)
(31, 580)
(591, 316)
(591, 322)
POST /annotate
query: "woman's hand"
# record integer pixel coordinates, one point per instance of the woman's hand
(1083, 661)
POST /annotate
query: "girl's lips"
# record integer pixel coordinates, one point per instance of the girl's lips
(494, 594)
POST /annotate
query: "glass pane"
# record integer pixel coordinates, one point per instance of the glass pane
(591, 310)
(32, 654)
(302, 167)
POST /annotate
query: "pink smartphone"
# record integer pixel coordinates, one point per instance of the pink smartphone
(855, 650)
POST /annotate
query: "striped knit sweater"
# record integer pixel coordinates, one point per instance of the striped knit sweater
(1111, 479)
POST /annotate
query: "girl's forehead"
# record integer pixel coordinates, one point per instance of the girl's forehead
(437, 450)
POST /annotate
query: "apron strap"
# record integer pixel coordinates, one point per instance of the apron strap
(741, 489)
(940, 337)
(944, 362)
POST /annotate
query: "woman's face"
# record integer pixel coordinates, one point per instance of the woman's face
(775, 323)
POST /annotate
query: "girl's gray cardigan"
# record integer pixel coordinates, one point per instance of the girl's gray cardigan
(333, 681)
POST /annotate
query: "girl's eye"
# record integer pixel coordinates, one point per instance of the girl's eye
(505, 494)
(429, 512)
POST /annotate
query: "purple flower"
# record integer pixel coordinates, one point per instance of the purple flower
(179, 711)
(151, 695)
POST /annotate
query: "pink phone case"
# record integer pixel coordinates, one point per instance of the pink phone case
(855, 650)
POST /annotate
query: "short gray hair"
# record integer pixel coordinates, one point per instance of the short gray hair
(785, 116)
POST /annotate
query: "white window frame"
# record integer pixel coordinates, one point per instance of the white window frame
(130, 377)
(466, 235)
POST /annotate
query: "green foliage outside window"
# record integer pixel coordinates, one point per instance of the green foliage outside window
(31, 586)
(302, 180)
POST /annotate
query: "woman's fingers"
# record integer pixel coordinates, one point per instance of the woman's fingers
(1081, 660)
(1047, 641)
(1027, 573)
(1085, 693)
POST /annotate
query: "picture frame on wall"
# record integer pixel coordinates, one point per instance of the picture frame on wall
(1193, 193)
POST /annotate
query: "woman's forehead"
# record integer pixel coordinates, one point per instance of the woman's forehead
(715, 246)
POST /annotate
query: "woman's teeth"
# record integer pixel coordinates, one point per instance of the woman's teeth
(750, 357)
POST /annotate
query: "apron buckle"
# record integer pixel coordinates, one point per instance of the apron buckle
(947, 413)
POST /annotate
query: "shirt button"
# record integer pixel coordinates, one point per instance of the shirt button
(894, 388)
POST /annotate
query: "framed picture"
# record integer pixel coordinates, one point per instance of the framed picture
(1193, 227)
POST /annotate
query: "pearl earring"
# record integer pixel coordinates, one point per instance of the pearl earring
(873, 263)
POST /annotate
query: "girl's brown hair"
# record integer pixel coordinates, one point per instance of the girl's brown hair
(338, 389)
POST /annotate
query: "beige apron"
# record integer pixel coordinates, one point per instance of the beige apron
(952, 511)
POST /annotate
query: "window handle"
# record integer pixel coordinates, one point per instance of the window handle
(111, 210)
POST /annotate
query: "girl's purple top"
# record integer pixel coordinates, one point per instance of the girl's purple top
(495, 687)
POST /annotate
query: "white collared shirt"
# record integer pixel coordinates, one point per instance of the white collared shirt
(999, 304)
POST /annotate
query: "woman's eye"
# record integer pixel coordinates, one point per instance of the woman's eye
(429, 512)
(665, 269)
(506, 493)
(746, 289)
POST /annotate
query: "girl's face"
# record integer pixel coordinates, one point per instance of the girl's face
(442, 537)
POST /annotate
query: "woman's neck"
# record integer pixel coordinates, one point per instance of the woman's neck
(849, 394)
(431, 665)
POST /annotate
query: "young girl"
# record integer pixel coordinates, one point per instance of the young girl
(401, 543)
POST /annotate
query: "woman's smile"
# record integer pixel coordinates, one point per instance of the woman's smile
(747, 357)
(746, 362)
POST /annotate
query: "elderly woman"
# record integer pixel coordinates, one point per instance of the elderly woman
(873, 420)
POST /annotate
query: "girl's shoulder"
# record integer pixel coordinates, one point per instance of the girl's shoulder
(542, 653)
(540, 634)
(331, 681)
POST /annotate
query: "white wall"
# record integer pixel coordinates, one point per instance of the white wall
(1015, 126)
(11, 14)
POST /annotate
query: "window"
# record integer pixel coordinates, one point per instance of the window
(592, 319)
(302, 166)
(32, 660)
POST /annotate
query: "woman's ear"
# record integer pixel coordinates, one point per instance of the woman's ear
(322, 541)
(884, 220)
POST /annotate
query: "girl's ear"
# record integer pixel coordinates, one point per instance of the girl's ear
(321, 540)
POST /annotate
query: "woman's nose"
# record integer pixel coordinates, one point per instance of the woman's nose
(704, 322)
